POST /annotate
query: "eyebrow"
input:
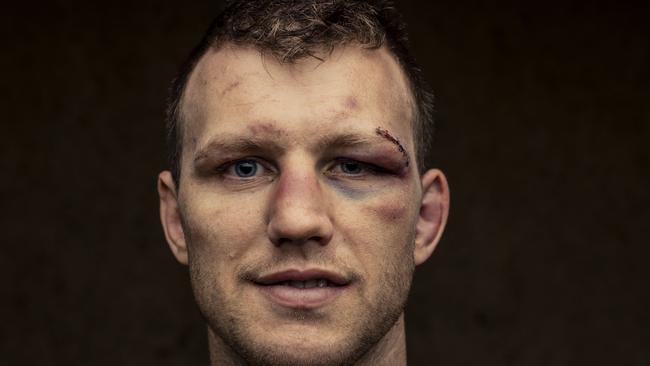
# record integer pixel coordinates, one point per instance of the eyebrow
(341, 141)
(239, 144)
(252, 144)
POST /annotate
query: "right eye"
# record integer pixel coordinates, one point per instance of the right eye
(246, 168)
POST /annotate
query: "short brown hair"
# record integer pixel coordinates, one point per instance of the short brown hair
(294, 29)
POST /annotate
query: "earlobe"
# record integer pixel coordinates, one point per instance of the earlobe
(434, 210)
(170, 216)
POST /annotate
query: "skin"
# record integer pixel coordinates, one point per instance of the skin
(329, 192)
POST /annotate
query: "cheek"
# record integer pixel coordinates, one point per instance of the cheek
(391, 207)
(388, 211)
(219, 238)
(392, 227)
(222, 229)
(380, 231)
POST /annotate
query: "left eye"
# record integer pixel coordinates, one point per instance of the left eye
(245, 168)
(351, 167)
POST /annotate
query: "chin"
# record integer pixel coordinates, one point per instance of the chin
(316, 354)
(282, 347)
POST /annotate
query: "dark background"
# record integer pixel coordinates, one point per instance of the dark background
(543, 130)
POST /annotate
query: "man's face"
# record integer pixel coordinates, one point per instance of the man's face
(299, 199)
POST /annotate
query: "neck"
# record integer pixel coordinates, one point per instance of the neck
(389, 351)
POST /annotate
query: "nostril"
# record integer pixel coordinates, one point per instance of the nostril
(296, 241)
(281, 241)
(318, 239)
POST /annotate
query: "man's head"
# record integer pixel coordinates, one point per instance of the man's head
(297, 201)
(289, 31)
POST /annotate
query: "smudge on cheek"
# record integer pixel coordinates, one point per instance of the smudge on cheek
(388, 210)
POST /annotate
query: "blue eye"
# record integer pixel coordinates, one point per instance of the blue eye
(351, 167)
(245, 168)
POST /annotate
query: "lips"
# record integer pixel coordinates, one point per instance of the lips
(306, 289)
(307, 276)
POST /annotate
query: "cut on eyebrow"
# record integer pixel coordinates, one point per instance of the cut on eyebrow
(386, 134)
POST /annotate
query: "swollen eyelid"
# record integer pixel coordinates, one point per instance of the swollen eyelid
(350, 167)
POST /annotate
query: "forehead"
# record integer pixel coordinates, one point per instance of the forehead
(234, 86)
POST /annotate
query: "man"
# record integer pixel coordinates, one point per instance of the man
(297, 194)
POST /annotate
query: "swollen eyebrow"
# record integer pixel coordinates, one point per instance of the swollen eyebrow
(343, 141)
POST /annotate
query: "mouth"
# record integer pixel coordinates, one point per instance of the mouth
(320, 283)
(297, 289)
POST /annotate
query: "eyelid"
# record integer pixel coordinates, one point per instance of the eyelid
(366, 167)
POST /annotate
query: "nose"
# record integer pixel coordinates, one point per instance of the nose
(298, 211)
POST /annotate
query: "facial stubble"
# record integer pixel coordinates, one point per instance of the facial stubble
(230, 328)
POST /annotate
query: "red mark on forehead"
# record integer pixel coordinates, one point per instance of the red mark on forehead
(230, 87)
(266, 128)
(351, 103)
(385, 134)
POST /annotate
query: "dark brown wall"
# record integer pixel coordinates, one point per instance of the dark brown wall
(544, 114)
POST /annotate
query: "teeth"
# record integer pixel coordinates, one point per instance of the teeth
(298, 284)
(307, 284)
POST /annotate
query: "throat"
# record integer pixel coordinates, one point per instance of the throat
(390, 350)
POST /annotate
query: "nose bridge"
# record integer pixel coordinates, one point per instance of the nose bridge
(298, 187)
(298, 209)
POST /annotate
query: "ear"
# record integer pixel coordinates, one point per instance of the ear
(434, 209)
(170, 216)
